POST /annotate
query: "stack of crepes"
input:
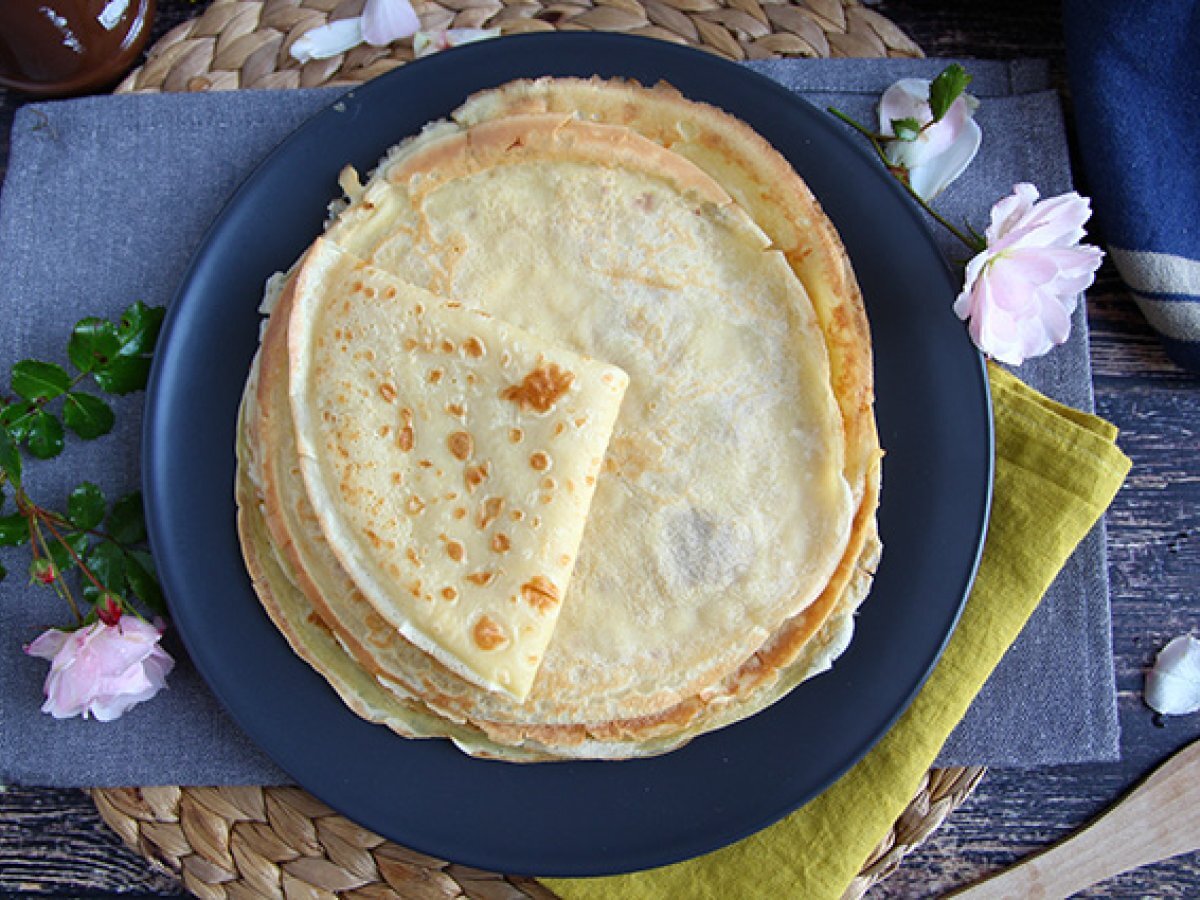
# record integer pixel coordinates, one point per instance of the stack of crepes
(560, 440)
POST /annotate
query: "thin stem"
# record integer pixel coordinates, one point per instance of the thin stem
(60, 584)
(75, 556)
(860, 128)
(60, 520)
(975, 246)
(57, 518)
(39, 516)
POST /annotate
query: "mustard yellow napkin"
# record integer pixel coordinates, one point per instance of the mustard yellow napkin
(1057, 469)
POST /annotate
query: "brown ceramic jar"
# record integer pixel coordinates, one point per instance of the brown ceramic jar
(61, 47)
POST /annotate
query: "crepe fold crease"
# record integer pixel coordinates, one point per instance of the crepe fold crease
(560, 440)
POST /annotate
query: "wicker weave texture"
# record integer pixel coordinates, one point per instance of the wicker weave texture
(244, 43)
(232, 842)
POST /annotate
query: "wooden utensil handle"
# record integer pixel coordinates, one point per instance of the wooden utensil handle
(1158, 820)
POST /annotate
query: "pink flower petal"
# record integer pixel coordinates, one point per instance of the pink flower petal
(1009, 211)
(1056, 320)
(1075, 267)
(992, 326)
(1010, 287)
(1057, 221)
(908, 98)
(937, 172)
(384, 21)
(1034, 264)
(964, 304)
(47, 644)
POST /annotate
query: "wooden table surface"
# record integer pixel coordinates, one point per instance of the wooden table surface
(52, 842)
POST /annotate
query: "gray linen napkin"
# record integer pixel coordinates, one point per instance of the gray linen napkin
(107, 197)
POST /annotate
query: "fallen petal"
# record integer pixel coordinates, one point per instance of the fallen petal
(328, 40)
(1173, 685)
(940, 151)
(426, 43)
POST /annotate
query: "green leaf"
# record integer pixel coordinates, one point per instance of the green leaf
(124, 375)
(85, 506)
(16, 418)
(947, 88)
(906, 129)
(137, 333)
(127, 523)
(87, 416)
(14, 530)
(62, 558)
(143, 580)
(139, 328)
(45, 435)
(37, 380)
(10, 459)
(107, 562)
(93, 343)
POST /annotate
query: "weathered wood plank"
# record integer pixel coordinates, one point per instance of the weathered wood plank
(1015, 813)
(54, 842)
(8, 109)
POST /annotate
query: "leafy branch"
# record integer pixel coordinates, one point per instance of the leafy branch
(104, 543)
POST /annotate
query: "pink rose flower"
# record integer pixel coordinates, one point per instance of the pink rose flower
(1020, 291)
(941, 151)
(102, 670)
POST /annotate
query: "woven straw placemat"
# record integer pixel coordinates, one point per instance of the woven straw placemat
(226, 842)
(281, 842)
(245, 43)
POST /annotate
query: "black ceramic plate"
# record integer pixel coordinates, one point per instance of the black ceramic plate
(571, 818)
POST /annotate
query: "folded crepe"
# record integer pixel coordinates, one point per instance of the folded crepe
(450, 459)
(289, 609)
